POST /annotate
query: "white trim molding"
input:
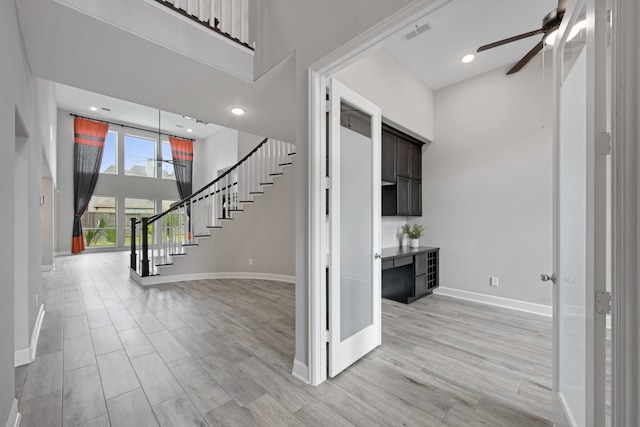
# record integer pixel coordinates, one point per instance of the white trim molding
(513, 304)
(50, 267)
(160, 280)
(27, 355)
(300, 371)
(14, 415)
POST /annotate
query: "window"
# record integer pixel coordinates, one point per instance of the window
(99, 222)
(109, 163)
(137, 208)
(167, 167)
(139, 156)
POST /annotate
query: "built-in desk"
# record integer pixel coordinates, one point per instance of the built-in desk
(409, 274)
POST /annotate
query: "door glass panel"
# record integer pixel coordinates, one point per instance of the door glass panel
(356, 221)
(572, 223)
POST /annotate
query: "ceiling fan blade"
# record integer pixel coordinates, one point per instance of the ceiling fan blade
(533, 52)
(562, 5)
(510, 39)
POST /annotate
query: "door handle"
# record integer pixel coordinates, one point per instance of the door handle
(546, 277)
(377, 256)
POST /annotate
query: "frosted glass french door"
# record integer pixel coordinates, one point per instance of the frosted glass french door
(579, 213)
(354, 223)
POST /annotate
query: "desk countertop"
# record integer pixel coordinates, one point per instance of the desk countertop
(398, 251)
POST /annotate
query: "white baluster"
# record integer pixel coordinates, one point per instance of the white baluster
(225, 10)
(236, 17)
(191, 7)
(215, 12)
(244, 21)
(202, 15)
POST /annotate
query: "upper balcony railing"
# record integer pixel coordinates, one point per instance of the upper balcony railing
(229, 18)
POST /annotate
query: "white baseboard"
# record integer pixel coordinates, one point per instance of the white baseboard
(51, 267)
(159, 280)
(513, 304)
(300, 371)
(14, 415)
(28, 355)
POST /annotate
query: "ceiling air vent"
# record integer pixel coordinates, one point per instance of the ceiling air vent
(417, 30)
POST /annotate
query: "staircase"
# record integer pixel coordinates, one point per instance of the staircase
(162, 238)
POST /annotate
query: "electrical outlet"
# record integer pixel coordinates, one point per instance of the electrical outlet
(250, 261)
(494, 281)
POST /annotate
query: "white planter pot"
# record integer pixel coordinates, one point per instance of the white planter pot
(414, 243)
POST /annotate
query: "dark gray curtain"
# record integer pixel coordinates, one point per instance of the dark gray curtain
(88, 137)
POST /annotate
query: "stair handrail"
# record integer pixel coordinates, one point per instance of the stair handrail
(184, 201)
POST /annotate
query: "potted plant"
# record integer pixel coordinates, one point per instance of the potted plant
(414, 233)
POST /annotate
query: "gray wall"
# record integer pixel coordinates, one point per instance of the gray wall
(20, 95)
(404, 100)
(487, 183)
(263, 232)
(108, 185)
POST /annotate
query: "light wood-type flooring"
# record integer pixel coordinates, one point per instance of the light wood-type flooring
(220, 353)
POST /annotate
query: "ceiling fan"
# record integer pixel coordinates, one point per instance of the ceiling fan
(550, 23)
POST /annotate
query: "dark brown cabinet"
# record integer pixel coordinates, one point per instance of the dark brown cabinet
(409, 274)
(401, 172)
(388, 172)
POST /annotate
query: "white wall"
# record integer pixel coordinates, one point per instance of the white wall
(218, 151)
(247, 142)
(108, 185)
(487, 183)
(404, 100)
(20, 94)
(263, 233)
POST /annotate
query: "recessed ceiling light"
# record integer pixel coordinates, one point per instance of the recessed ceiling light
(189, 130)
(238, 111)
(93, 108)
(468, 58)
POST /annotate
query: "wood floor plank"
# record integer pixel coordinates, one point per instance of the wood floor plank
(205, 393)
(131, 409)
(117, 374)
(83, 399)
(178, 411)
(157, 380)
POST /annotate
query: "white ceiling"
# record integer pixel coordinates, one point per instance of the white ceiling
(80, 102)
(459, 28)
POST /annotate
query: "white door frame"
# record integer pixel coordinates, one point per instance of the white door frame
(625, 214)
(319, 73)
(597, 147)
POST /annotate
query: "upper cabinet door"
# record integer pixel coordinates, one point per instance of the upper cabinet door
(403, 153)
(416, 161)
(388, 171)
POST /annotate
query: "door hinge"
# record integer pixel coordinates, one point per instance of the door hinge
(327, 182)
(327, 336)
(603, 302)
(328, 260)
(327, 106)
(604, 143)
